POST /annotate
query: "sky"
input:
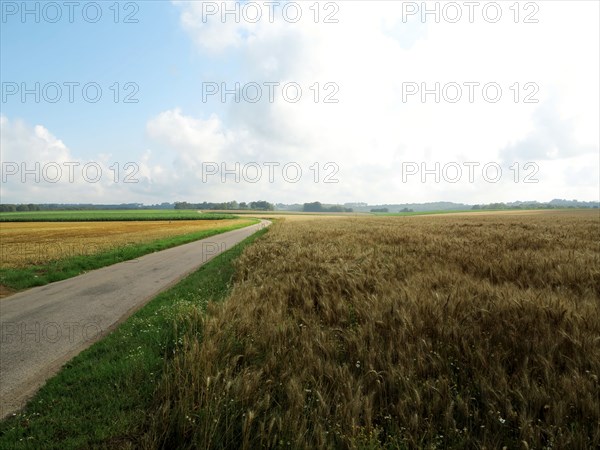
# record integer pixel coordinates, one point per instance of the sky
(292, 102)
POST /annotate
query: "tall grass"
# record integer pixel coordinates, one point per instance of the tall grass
(420, 332)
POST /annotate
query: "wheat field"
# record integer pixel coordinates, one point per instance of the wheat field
(478, 331)
(25, 243)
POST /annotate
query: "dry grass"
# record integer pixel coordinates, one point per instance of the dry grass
(415, 332)
(26, 243)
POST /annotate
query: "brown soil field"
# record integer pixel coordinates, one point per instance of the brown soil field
(462, 331)
(27, 243)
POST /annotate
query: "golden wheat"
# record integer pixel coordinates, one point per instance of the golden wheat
(478, 331)
(26, 243)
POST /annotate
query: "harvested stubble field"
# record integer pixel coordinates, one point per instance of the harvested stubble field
(28, 243)
(478, 331)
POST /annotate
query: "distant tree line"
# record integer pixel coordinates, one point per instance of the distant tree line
(319, 207)
(307, 207)
(260, 205)
(534, 205)
(15, 208)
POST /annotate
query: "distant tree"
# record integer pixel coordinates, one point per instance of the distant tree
(319, 207)
(380, 210)
(243, 205)
(406, 210)
(262, 205)
(313, 207)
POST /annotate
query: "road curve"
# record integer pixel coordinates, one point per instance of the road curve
(44, 327)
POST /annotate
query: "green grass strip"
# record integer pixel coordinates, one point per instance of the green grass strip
(101, 398)
(61, 269)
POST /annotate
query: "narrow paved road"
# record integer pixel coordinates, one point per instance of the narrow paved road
(44, 327)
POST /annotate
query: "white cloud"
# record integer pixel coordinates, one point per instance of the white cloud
(192, 139)
(34, 144)
(38, 167)
(370, 53)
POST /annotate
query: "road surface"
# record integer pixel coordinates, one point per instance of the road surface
(44, 327)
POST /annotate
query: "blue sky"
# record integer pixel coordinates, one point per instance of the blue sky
(371, 141)
(153, 53)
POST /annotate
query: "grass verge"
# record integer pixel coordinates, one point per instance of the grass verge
(101, 398)
(61, 269)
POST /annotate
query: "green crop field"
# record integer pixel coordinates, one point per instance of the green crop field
(109, 215)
